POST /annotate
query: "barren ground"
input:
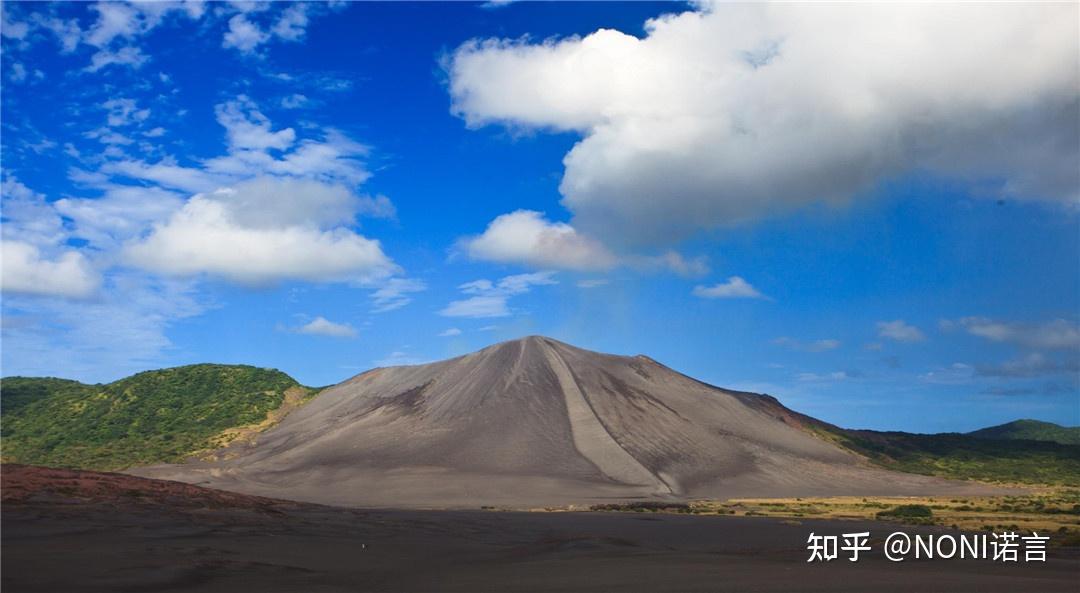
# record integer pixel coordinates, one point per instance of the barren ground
(80, 531)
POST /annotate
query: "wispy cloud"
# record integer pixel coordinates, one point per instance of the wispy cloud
(399, 358)
(394, 294)
(955, 374)
(489, 299)
(899, 331)
(593, 283)
(121, 331)
(321, 326)
(734, 288)
(814, 346)
(1032, 365)
(295, 101)
(822, 377)
(1044, 389)
(1057, 334)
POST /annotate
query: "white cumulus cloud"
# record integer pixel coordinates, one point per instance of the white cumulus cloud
(243, 34)
(246, 34)
(292, 26)
(526, 237)
(26, 270)
(739, 111)
(262, 231)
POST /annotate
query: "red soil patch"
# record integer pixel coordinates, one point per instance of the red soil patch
(32, 484)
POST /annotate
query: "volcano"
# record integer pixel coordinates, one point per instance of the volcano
(535, 422)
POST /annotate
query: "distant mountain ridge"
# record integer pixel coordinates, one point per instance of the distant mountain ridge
(151, 417)
(168, 415)
(967, 457)
(1031, 430)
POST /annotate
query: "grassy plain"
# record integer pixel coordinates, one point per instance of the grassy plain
(1048, 511)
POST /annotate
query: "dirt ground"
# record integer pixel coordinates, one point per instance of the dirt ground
(95, 546)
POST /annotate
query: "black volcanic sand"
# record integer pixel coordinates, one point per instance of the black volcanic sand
(108, 546)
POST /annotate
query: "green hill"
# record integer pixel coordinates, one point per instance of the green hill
(1031, 430)
(152, 417)
(964, 456)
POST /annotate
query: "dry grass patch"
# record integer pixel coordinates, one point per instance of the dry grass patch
(1052, 511)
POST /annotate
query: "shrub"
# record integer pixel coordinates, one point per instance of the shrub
(909, 513)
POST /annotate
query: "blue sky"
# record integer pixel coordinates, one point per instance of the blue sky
(877, 227)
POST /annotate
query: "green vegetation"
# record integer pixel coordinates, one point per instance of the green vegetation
(909, 513)
(961, 456)
(17, 392)
(152, 417)
(908, 510)
(1031, 430)
(645, 506)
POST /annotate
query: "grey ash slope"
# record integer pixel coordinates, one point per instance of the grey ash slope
(533, 422)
